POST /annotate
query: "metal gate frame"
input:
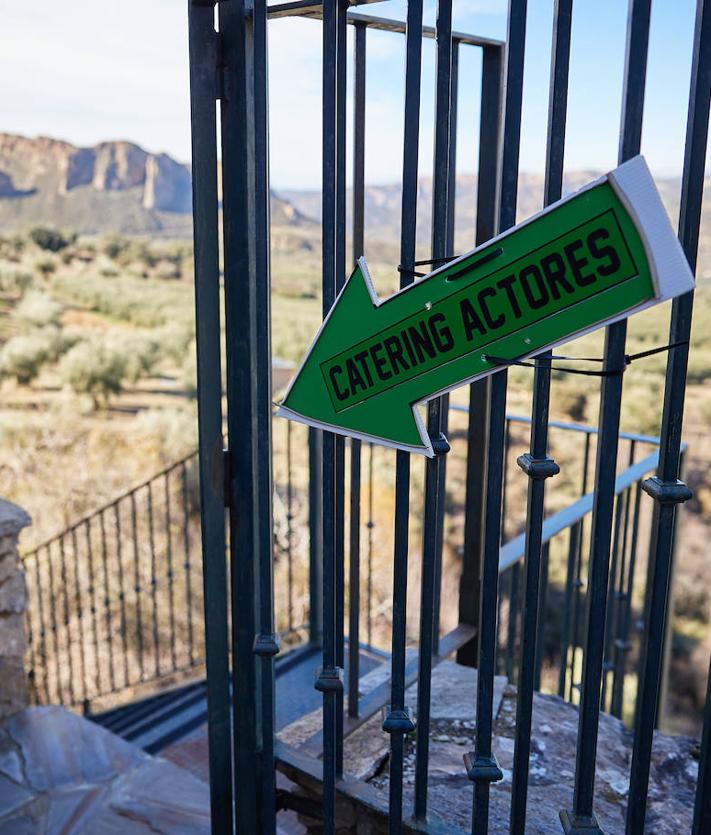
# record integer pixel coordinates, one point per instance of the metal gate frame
(228, 63)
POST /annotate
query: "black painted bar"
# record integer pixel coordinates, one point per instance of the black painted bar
(537, 465)
(434, 467)
(582, 818)
(398, 720)
(329, 680)
(486, 208)
(482, 768)
(203, 91)
(359, 64)
(238, 219)
(266, 644)
(666, 490)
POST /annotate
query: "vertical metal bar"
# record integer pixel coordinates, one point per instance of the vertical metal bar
(169, 573)
(315, 537)
(702, 804)
(67, 635)
(359, 64)
(537, 464)
(623, 645)
(450, 224)
(137, 588)
(340, 277)
(122, 591)
(187, 566)
(43, 627)
(53, 622)
(204, 72)
(240, 282)
(512, 625)
(486, 207)
(154, 581)
(289, 532)
(329, 679)
(434, 467)
(93, 608)
(482, 767)
(541, 621)
(370, 525)
(578, 582)
(607, 665)
(80, 619)
(266, 645)
(565, 638)
(107, 603)
(666, 489)
(582, 815)
(399, 717)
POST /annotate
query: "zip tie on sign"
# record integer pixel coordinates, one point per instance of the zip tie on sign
(614, 372)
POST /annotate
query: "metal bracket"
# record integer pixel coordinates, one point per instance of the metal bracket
(329, 680)
(574, 825)
(398, 721)
(539, 468)
(667, 492)
(267, 644)
(440, 444)
(482, 769)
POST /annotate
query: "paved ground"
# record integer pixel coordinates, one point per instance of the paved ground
(61, 774)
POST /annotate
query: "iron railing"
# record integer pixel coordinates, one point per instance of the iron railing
(229, 63)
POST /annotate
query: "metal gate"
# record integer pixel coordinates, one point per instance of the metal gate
(228, 64)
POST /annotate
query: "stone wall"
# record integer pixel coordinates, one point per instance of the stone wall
(13, 599)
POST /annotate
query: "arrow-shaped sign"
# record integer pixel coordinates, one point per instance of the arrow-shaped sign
(598, 255)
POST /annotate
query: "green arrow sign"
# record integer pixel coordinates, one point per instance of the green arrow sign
(586, 261)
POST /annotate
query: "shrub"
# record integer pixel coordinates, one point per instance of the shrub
(37, 308)
(45, 267)
(93, 367)
(188, 373)
(15, 281)
(139, 351)
(23, 356)
(115, 246)
(50, 239)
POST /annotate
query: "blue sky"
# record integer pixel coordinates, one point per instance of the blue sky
(104, 69)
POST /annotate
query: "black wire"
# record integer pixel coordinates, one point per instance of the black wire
(611, 372)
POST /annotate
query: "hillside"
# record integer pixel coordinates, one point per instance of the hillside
(113, 187)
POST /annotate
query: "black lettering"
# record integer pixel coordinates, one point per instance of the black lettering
(443, 337)
(336, 369)
(553, 267)
(421, 341)
(543, 297)
(608, 252)
(408, 347)
(362, 357)
(577, 264)
(505, 284)
(379, 362)
(355, 378)
(393, 349)
(470, 319)
(490, 321)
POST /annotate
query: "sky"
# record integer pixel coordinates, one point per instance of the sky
(92, 70)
